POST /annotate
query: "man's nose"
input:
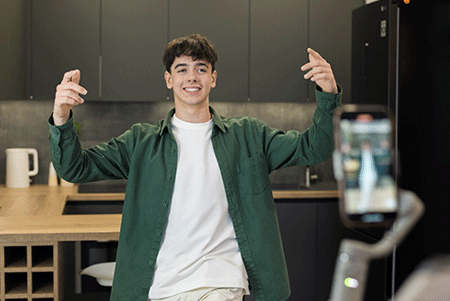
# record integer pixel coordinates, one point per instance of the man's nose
(192, 76)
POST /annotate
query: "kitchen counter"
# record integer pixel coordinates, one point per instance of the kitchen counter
(35, 223)
(36, 213)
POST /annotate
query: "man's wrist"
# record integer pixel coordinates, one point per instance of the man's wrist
(57, 120)
(328, 101)
(335, 91)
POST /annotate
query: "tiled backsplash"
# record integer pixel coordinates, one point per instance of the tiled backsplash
(24, 124)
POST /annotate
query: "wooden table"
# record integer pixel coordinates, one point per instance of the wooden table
(32, 226)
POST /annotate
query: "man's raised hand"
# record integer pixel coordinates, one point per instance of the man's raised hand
(67, 96)
(320, 72)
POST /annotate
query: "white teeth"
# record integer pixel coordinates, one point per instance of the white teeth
(192, 89)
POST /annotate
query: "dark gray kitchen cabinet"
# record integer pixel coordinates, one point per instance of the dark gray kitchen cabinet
(134, 34)
(278, 42)
(297, 220)
(312, 231)
(65, 35)
(298, 227)
(330, 35)
(118, 45)
(13, 49)
(226, 25)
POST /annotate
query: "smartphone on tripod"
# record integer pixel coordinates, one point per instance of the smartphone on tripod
(364, 166)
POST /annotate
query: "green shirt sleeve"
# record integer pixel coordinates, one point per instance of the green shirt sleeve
(313, 146)
(76, 165)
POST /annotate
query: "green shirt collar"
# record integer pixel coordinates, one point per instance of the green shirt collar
(216, 120)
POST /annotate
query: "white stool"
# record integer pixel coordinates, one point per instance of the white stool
(103, 272)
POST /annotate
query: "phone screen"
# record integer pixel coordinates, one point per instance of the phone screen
(369, 187)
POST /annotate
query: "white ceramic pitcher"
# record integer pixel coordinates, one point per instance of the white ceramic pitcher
(18, 167)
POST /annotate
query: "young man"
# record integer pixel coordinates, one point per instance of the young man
(199, 220)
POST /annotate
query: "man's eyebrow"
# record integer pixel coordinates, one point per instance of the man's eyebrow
(185, 65)
(201, 64)
(180, 65)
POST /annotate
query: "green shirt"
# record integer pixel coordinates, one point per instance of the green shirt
(247, 151)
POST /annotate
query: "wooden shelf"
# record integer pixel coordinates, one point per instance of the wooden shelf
(15, 257)
(17, 265)
(42, 268)
(15, 285)
(42, 283)
(42, 257)
(29, 272)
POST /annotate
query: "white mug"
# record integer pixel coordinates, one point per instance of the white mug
(17, 167)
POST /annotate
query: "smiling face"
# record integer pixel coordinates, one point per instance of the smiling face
(191, 81)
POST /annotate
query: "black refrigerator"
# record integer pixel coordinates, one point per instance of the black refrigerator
(401, 59)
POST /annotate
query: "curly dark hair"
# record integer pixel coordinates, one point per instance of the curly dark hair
(196, 46)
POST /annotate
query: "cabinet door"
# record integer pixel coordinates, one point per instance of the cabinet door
(65, 36)
(330, 33)
(13, 50)
(298, 224)
(134, 34)
(225, 24)
(278, 41)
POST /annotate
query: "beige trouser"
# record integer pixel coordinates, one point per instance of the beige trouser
(208, 294)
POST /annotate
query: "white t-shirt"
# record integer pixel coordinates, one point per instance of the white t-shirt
(199, 247)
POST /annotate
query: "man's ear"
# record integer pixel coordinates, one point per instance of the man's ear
(168, 78)
(214, 79)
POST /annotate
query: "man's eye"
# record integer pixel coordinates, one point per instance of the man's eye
(201, 70)
(181, 70)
